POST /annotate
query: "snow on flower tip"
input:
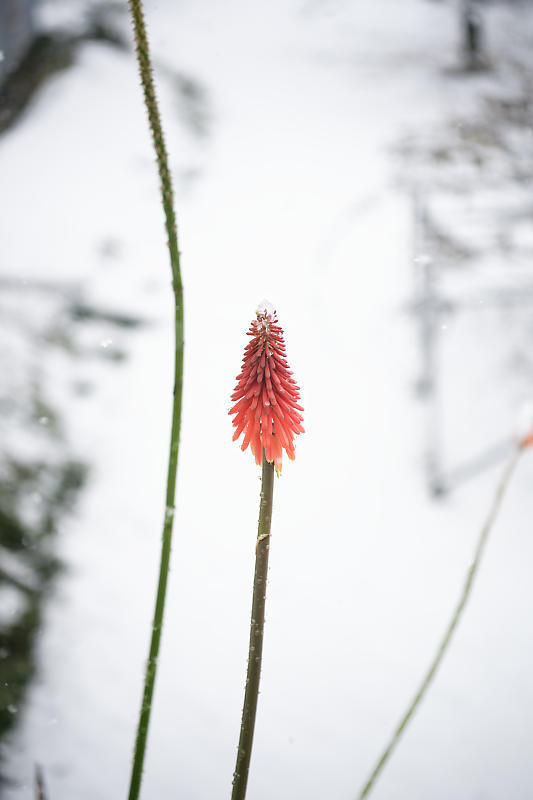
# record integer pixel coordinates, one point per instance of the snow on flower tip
(266, 408)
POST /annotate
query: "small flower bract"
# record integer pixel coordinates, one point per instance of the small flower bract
(266, 411)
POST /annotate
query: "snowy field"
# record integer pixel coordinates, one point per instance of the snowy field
(284, 142)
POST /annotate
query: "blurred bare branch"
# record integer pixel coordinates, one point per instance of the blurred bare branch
(40, 790)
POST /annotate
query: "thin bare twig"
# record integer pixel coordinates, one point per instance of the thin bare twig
(465, 594)
(40, 790)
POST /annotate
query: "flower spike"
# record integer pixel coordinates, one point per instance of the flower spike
(266, 408)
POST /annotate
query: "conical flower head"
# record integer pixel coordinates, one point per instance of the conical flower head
(267, 409)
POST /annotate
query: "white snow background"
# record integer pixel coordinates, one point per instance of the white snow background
(291, 196)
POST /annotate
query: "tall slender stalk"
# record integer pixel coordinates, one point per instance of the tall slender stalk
(255, 651)
(167, 199)
(465, 594)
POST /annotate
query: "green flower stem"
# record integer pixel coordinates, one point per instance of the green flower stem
(465, 594)
(167, 199)
(253, 675)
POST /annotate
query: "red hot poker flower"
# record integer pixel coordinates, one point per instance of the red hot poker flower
(266, 409)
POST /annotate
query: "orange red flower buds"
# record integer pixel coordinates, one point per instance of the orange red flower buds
(266, 411)
(527, 441)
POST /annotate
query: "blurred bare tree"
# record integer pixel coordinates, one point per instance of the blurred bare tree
(17, 29)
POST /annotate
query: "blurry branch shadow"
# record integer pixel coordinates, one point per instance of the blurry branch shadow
(48, 53)
(40, 789)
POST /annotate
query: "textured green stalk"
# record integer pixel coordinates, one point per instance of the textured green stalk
(465, 594)
(167, 198)
(253, 675)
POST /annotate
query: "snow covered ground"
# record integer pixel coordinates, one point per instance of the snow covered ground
(287, 187)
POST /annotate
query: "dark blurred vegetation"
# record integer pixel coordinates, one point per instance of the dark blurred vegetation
(40, 474)
(37, 491)
(46, 54)
(28, 564)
